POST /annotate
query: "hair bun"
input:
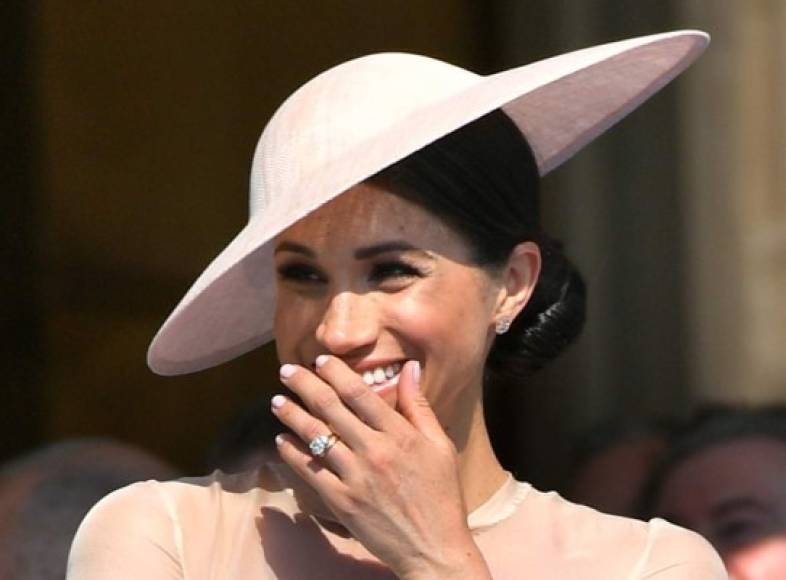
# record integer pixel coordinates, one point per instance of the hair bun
(551, 320)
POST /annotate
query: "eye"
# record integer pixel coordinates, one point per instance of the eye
(736, 531)
(393, 270)
(300, 273)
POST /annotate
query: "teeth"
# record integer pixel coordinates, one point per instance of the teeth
(381, 374)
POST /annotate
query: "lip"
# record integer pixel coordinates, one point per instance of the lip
(387, 386)
(364, 366)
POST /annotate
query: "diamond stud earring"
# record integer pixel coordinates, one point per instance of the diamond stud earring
(503, 325)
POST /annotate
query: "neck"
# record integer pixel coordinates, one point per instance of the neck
(479, 470)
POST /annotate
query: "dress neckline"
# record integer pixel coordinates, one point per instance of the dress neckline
(501, 505)
(498, 507)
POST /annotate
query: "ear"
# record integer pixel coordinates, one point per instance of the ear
(518, 280)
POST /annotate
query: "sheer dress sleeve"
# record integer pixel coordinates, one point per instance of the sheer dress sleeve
(674, 553)
(210, 528)
(128, 535)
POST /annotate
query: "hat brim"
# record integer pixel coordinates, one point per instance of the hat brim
(560, 104)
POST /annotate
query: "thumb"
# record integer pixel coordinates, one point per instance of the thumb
(413, 405)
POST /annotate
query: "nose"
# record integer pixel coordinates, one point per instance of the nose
(350, 323)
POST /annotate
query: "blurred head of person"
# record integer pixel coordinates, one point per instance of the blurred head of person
(246, 441)
(725, 478)
(614, 461)
(45, 494)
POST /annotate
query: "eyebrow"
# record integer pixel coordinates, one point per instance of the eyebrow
(383, 248)
(735, 504)
(363, 253)
(296, 248)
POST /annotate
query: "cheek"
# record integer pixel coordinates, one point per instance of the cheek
(292, 323)
(442, 318)
(418, 316)
(765, 559)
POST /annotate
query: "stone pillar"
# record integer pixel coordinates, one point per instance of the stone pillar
(734, 130)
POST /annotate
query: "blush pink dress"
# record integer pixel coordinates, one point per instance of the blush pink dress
(249, 526)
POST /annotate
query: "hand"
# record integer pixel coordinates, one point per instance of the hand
(392, 478)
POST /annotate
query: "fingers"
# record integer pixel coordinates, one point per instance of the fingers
(356, 394)
(414, 406)
(311, 469)
(307, 427)
(324, 402)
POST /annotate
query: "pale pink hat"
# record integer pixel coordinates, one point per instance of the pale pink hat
(359, 117)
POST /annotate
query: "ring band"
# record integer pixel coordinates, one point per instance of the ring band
(321, 444)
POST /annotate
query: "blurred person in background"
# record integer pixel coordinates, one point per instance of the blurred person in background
(246, 441)
(45, 494)
(614, 461)
(725, 477)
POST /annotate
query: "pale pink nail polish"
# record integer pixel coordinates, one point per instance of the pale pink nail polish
(287, 371)
(278, 401)
(279, 439)
(416, 372)
(321, 360)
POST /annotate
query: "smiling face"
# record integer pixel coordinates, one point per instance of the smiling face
(377, 281)
(734, 494)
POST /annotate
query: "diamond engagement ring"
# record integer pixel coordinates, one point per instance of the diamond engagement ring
(321, 444)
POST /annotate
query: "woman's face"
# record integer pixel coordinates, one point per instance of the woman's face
(377, 281)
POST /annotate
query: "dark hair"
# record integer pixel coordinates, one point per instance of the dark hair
(483, 181)
(711, 426)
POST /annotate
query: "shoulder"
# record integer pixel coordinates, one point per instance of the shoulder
(125, 528)
(624, 547)
(676, 553)
(575, 524)
(131, 506)
(167, 500)
(157, 528)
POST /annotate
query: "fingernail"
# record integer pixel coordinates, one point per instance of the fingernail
(416, 372)
(321, 360)
(279, 439)
(287, 371)
(278, 401)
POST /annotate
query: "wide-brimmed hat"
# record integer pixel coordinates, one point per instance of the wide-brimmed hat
(357, 118)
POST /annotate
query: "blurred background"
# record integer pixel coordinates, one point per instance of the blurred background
(127, 135)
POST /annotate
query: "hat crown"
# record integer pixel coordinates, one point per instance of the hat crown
(339, 114)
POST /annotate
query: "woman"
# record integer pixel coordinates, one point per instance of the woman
(394, 251)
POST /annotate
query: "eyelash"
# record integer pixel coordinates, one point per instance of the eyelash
(300, 273)
(393, 269)
(380, 272)
(738, 529)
